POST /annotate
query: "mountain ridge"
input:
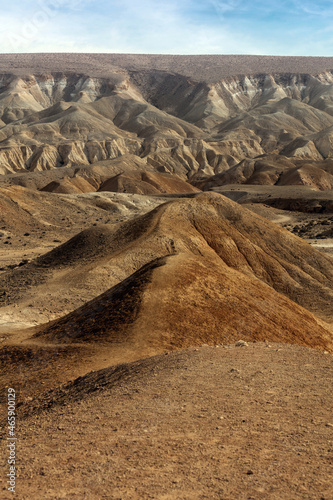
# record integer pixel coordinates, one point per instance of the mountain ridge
(54, 116)
(103, 64)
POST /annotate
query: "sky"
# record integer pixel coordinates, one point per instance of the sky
(277, 27)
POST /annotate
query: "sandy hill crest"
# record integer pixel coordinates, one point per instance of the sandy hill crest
(195, 270)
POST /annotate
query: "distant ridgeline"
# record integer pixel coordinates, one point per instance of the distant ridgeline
(246, 119)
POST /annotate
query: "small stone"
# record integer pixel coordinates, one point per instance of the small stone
(241, 343)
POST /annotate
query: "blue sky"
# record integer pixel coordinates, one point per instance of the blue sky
(169, 27)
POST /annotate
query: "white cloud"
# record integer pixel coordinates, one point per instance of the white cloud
(222, 7)
(128, 27)
(322, 9)
(152, 26)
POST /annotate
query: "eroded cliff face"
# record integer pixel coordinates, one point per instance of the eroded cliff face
(174, 123)
(45, 157)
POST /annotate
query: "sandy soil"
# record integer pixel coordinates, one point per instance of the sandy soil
(240, 421)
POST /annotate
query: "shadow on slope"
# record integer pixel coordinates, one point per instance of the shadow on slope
(206, 230)
(181, 301)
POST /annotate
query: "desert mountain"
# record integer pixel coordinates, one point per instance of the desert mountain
(195, 116)
(147, 183)
(133, 191)
(274, 170)
(177, 302)
(199, 269)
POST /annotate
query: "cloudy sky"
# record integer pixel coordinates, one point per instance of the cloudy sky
(272, 27)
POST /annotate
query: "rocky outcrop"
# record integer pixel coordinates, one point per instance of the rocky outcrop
(38, 158)
(193, 128)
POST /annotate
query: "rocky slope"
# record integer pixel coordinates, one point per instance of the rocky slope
(198, 269)
(111, 254)
(177, 118)
(193, 269)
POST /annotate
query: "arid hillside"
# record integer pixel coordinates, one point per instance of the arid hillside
(195, 270)
(195, 116)
(208, 228)
(166, 275)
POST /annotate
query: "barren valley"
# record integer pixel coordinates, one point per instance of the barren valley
(166, 241)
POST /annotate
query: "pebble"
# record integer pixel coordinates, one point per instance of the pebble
(241, 343)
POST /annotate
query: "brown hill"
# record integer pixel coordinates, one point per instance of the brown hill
(308, 175)
(207, 270)
(147, 183)
(181, 302)
(198, 269)
(69, 186)
(128, 184)
(274, 169)
(207, 236)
